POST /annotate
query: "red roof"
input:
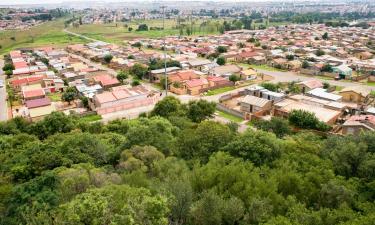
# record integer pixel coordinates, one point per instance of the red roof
(248, 54)
(19, 65)
(15, 54)
(196, 82)
(33, 93)
(35, 103)
(106, 80)
(216, 79)
(26, 80)
(183, 76)
(369, 118)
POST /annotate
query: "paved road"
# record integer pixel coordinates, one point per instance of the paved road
(291, 76)
(3, 94)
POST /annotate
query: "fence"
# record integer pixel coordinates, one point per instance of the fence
(230, 111)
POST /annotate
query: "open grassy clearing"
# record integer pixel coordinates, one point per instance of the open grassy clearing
(266, 67)
(49, 33)
(55, 97)
(118, 32)
(90, 118)
(229, 116)
(220, 90)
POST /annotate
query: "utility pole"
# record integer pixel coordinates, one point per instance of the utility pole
(165, 54)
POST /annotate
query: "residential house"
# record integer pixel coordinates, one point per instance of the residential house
(253, 104)
(358, 123)
(323, 94)
(226, 70)
(355, 94)
(106, 80)
(198, 64)
(308, 85)
(156, 75)
(123, 98)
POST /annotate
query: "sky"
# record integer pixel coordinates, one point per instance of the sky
(19, 2)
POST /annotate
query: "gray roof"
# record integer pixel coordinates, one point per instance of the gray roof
(253, 100)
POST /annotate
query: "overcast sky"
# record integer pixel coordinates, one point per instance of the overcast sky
(14, 2)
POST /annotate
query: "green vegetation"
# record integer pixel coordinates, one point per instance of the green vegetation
(229, 116)
(167, 169)
(119, 32)
(48, 33)
(90, 118)
(220, 90)
(265, 67)
(55, 97)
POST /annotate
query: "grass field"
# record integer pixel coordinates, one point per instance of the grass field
(118, 32)
(220, 90)
(90, 118)
(229, 116)
(49, 33)
(55, 97)
(265, 67)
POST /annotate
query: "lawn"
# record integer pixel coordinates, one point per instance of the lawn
(220, 90)
(229, 116)
(372, 84)
(49, 33)
(266, 67)
(90, 118)
(55, 97)
(118, 32)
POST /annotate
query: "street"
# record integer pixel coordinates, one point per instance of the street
(291, 76)
(3, 95)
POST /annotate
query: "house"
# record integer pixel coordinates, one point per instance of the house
(358, 123)
(106, 80)
(198, 64)
(34, 91)
(40, 102)
(323, 94)
(248, 74)
(364, 55)
(344, 71)
(309, 104)
(196, 86)
(261, 92)
(226, 70)
(123, 98)
(308, 85)
(355, 94)
(18, 82)
(253, 104)
(155, 75)
(257, 60)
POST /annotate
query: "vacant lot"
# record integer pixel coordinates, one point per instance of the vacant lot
(49, 33)
(118, 32)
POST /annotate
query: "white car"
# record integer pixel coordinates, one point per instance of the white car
(1, 84)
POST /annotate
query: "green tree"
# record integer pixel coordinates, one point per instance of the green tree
(138, 70)
(234, 78)
(122, 76)
(259, 147)
(279, 126)
(108, 58)
(167, 107)
(221, 49)
(200, 110)
(325, 36)
(118, 204)
(221, 60)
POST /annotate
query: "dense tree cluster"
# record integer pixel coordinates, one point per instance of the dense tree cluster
(175, 166)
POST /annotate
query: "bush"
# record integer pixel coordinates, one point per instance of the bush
(221, 61)
(306, 120)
